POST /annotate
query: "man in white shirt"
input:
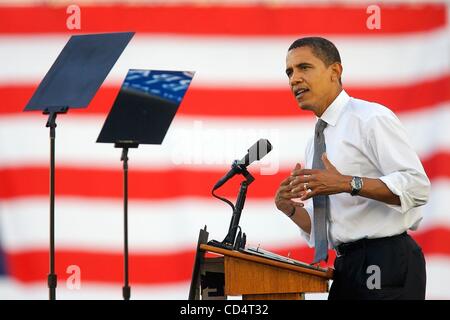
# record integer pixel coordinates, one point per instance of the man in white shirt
(368, 185)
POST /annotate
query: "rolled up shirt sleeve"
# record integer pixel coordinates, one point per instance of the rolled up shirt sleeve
(402, 172)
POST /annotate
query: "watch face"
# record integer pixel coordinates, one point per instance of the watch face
(356, 183)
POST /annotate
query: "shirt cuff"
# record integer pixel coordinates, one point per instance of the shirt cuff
(394, 183)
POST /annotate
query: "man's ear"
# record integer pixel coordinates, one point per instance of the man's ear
(336, 71)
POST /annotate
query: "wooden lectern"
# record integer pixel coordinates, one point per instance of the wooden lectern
(226, 272)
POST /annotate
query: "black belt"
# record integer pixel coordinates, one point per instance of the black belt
(345, 248)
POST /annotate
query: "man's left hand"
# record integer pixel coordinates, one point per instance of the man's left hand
(313, 182)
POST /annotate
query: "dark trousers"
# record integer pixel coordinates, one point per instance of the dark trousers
(378, 269)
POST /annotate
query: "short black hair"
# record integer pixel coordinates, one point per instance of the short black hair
(322, 48)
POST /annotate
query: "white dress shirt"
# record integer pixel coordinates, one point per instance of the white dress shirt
(366, 139)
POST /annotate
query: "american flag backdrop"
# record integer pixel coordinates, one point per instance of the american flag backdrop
(239, 94)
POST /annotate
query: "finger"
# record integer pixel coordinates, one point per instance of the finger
(301, 180)
(286, 181)
(302, 193)
(289, 195)
(308, 195)
(294, 195)
(295, 183)
(301, 188)
(303, 172)
(297, 167)
(328, 165)
(284, 192)
(308, 185)
(288, 186)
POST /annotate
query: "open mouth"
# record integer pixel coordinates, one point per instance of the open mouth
(300, 92)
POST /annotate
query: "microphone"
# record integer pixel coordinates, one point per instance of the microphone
(255, 152)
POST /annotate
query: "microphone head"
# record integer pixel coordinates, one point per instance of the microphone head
(257, 152)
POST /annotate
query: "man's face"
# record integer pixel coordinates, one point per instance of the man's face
(313, 84)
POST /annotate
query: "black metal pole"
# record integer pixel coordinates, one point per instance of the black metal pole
(52, 278)
(126, 290)
(231, 236)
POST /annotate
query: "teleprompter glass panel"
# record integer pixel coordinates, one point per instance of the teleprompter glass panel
(145, 106)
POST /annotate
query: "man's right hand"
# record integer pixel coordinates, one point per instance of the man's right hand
(283, 197)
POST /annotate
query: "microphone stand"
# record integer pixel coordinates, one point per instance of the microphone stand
(229, 241)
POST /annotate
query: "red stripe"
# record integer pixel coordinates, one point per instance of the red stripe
(32, 265)
(226, 20)
(252, 102)
(154, 184)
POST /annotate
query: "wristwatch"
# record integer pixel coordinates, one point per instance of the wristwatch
(356, 184)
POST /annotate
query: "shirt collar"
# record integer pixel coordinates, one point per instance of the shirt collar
(334, 110)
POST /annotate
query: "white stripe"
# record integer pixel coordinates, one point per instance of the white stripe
(428, 129)
(438, 277)
(437, 210)
(196, 142)
(242, 61)
(161, 226)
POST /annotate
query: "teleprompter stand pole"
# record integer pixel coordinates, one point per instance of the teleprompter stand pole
(52, 279)
(126, 290)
